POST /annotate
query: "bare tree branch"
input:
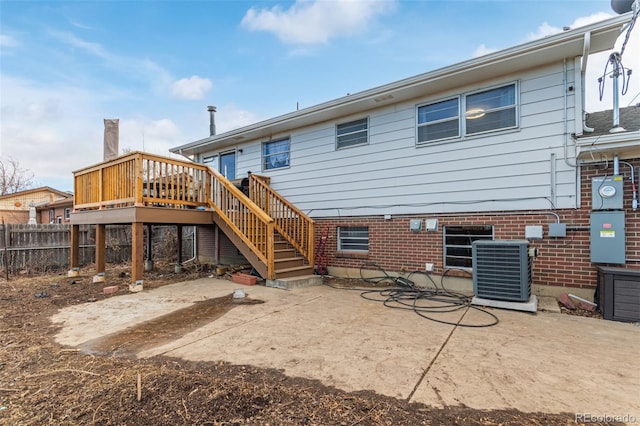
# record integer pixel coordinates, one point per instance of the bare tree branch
(13, 177)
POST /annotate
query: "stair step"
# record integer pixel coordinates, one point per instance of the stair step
(288, 262)
(285, 253)
(294, 272)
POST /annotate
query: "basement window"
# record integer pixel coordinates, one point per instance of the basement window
(353, 238)
(457, 244)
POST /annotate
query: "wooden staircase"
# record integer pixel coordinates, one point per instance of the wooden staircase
(273, 235)
(288, 261)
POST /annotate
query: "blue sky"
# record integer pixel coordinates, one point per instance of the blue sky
(156, 65)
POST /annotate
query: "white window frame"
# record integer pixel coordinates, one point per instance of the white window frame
(514, 106)
(472, 236)
(349, 248)
(67, 213)
(264, 155)
(443, 120)
(352, 133)
(462, 114)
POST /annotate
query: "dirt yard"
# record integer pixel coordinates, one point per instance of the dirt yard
(42, 383)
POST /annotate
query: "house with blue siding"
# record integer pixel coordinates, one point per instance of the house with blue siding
(404, 177)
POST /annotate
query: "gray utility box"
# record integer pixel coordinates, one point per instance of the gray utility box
(619, 293)
(606, 193)
(607, 237)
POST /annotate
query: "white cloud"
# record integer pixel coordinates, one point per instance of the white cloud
(316, 21)
(230, 117)
(483, 50)
(545, 29)
(191, 88)
(8, 41)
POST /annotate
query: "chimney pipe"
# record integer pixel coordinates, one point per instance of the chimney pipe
(111, 138)
(212, 120)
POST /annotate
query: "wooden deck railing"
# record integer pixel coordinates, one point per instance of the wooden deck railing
(290, 222)
(247, 220)
(141, 179)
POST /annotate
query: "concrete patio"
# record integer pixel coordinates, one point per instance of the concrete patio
(548, 362)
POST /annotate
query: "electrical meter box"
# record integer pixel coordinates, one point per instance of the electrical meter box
(607, 237)
(606, 193)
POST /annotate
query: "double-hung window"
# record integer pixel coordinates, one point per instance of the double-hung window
(440, 120)
(352, 133)
(275, 154)
(353, 238)
(490, 110)
(468, 114)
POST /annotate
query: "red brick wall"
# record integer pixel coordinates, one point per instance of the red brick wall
(563, 262)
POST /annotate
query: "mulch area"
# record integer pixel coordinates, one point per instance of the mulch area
(43, 383)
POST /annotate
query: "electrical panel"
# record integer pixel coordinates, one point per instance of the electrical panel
(606, 193)
(607, 237)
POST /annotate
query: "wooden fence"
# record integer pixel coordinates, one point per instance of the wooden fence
(45, 248)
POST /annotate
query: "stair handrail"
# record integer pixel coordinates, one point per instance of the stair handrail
(295, 226)
(248, 221)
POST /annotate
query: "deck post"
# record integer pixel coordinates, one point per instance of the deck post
(178, 268)
(74, 257)
(137, 256)
(101, 250)
(148, 264)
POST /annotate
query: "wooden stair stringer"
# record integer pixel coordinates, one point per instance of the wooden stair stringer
(253, 259)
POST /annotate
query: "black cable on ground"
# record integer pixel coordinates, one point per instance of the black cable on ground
(402, 293)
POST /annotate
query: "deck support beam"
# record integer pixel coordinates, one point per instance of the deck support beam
(137, 252)
(101, 248)
(178, 268)
(148, 264)
(74, 256)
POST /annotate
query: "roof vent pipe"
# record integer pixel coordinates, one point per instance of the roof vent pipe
(614, 58)
(212, 120)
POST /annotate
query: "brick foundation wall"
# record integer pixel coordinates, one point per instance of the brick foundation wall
(562, 262)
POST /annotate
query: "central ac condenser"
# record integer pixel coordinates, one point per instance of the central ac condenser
(502, 270)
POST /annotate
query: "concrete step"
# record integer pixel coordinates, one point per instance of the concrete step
(295, 282)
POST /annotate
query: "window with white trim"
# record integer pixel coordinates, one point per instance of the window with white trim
(276, 154)
(491, 110)
(352, 133)
(457, 243)
(484, 111)
(67, 213)
(440, 120)
(353, 238)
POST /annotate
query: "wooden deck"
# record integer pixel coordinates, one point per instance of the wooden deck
(140, 188)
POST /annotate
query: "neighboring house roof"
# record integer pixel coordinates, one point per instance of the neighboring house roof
(625, 143)
(65, 202)
(36, 190)
(566, 45)
(602, 121)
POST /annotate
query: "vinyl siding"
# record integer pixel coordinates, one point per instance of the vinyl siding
(508, 170)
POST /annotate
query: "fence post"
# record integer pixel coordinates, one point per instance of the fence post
(7, 241)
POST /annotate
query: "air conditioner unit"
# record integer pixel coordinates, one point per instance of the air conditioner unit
(502, 270)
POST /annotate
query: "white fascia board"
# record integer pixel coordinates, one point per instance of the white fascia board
(553, 48)
(624, 144)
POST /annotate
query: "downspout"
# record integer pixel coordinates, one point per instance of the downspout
(583, 69)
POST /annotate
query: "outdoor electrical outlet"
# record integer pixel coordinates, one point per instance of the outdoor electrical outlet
(428, 267)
